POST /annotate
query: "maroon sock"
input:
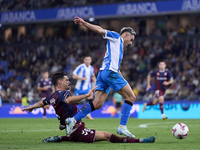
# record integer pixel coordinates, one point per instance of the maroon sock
(44, 114)
(65, 138)
(150, 103)
(116, 139)
(161, 107)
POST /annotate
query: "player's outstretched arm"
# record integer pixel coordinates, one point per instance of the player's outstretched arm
(148, 82)
(90, 26)
(75, 99)
(36, 105)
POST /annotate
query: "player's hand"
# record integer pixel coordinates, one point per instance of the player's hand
(78, 20)
(84, 78)
(91, 91)
(27, 109)
(148, 87)
(165, 83)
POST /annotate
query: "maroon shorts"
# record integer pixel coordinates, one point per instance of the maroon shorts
(159, 93)
(82, 134)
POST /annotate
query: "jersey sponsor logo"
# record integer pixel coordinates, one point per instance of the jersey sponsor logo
(161, 78)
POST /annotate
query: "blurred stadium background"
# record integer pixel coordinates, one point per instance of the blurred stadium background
(38, 34)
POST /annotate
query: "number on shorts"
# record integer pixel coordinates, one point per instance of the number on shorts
(85, 131)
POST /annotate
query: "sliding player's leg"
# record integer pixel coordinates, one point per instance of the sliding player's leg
(106, 136)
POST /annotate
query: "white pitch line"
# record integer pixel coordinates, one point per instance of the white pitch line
(147, 124)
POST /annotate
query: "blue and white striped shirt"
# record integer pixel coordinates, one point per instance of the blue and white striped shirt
(83, 71)
(114, 51)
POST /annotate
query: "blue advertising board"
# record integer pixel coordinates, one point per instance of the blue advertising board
(15, 111)
(101, 11)
(173, 109)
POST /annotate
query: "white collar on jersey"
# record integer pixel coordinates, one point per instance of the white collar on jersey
(86, 66)
(161, 71)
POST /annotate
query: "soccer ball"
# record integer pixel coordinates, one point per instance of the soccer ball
(180, 131)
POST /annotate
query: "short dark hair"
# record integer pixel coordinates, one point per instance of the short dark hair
(86, 56)
(56, 76)
(127, 29)
(44, 70)
(160, 62)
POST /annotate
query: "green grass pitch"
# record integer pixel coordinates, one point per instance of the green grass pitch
(27, 134)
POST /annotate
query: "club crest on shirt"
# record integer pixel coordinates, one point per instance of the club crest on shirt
(52, 101)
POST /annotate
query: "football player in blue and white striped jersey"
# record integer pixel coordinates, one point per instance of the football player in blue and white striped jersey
(109, 76)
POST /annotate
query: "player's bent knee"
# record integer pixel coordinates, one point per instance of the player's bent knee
(161, 100)
(131, 99)
(155, 102)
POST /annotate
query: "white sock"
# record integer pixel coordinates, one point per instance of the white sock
(163, 115)
(122, 126)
